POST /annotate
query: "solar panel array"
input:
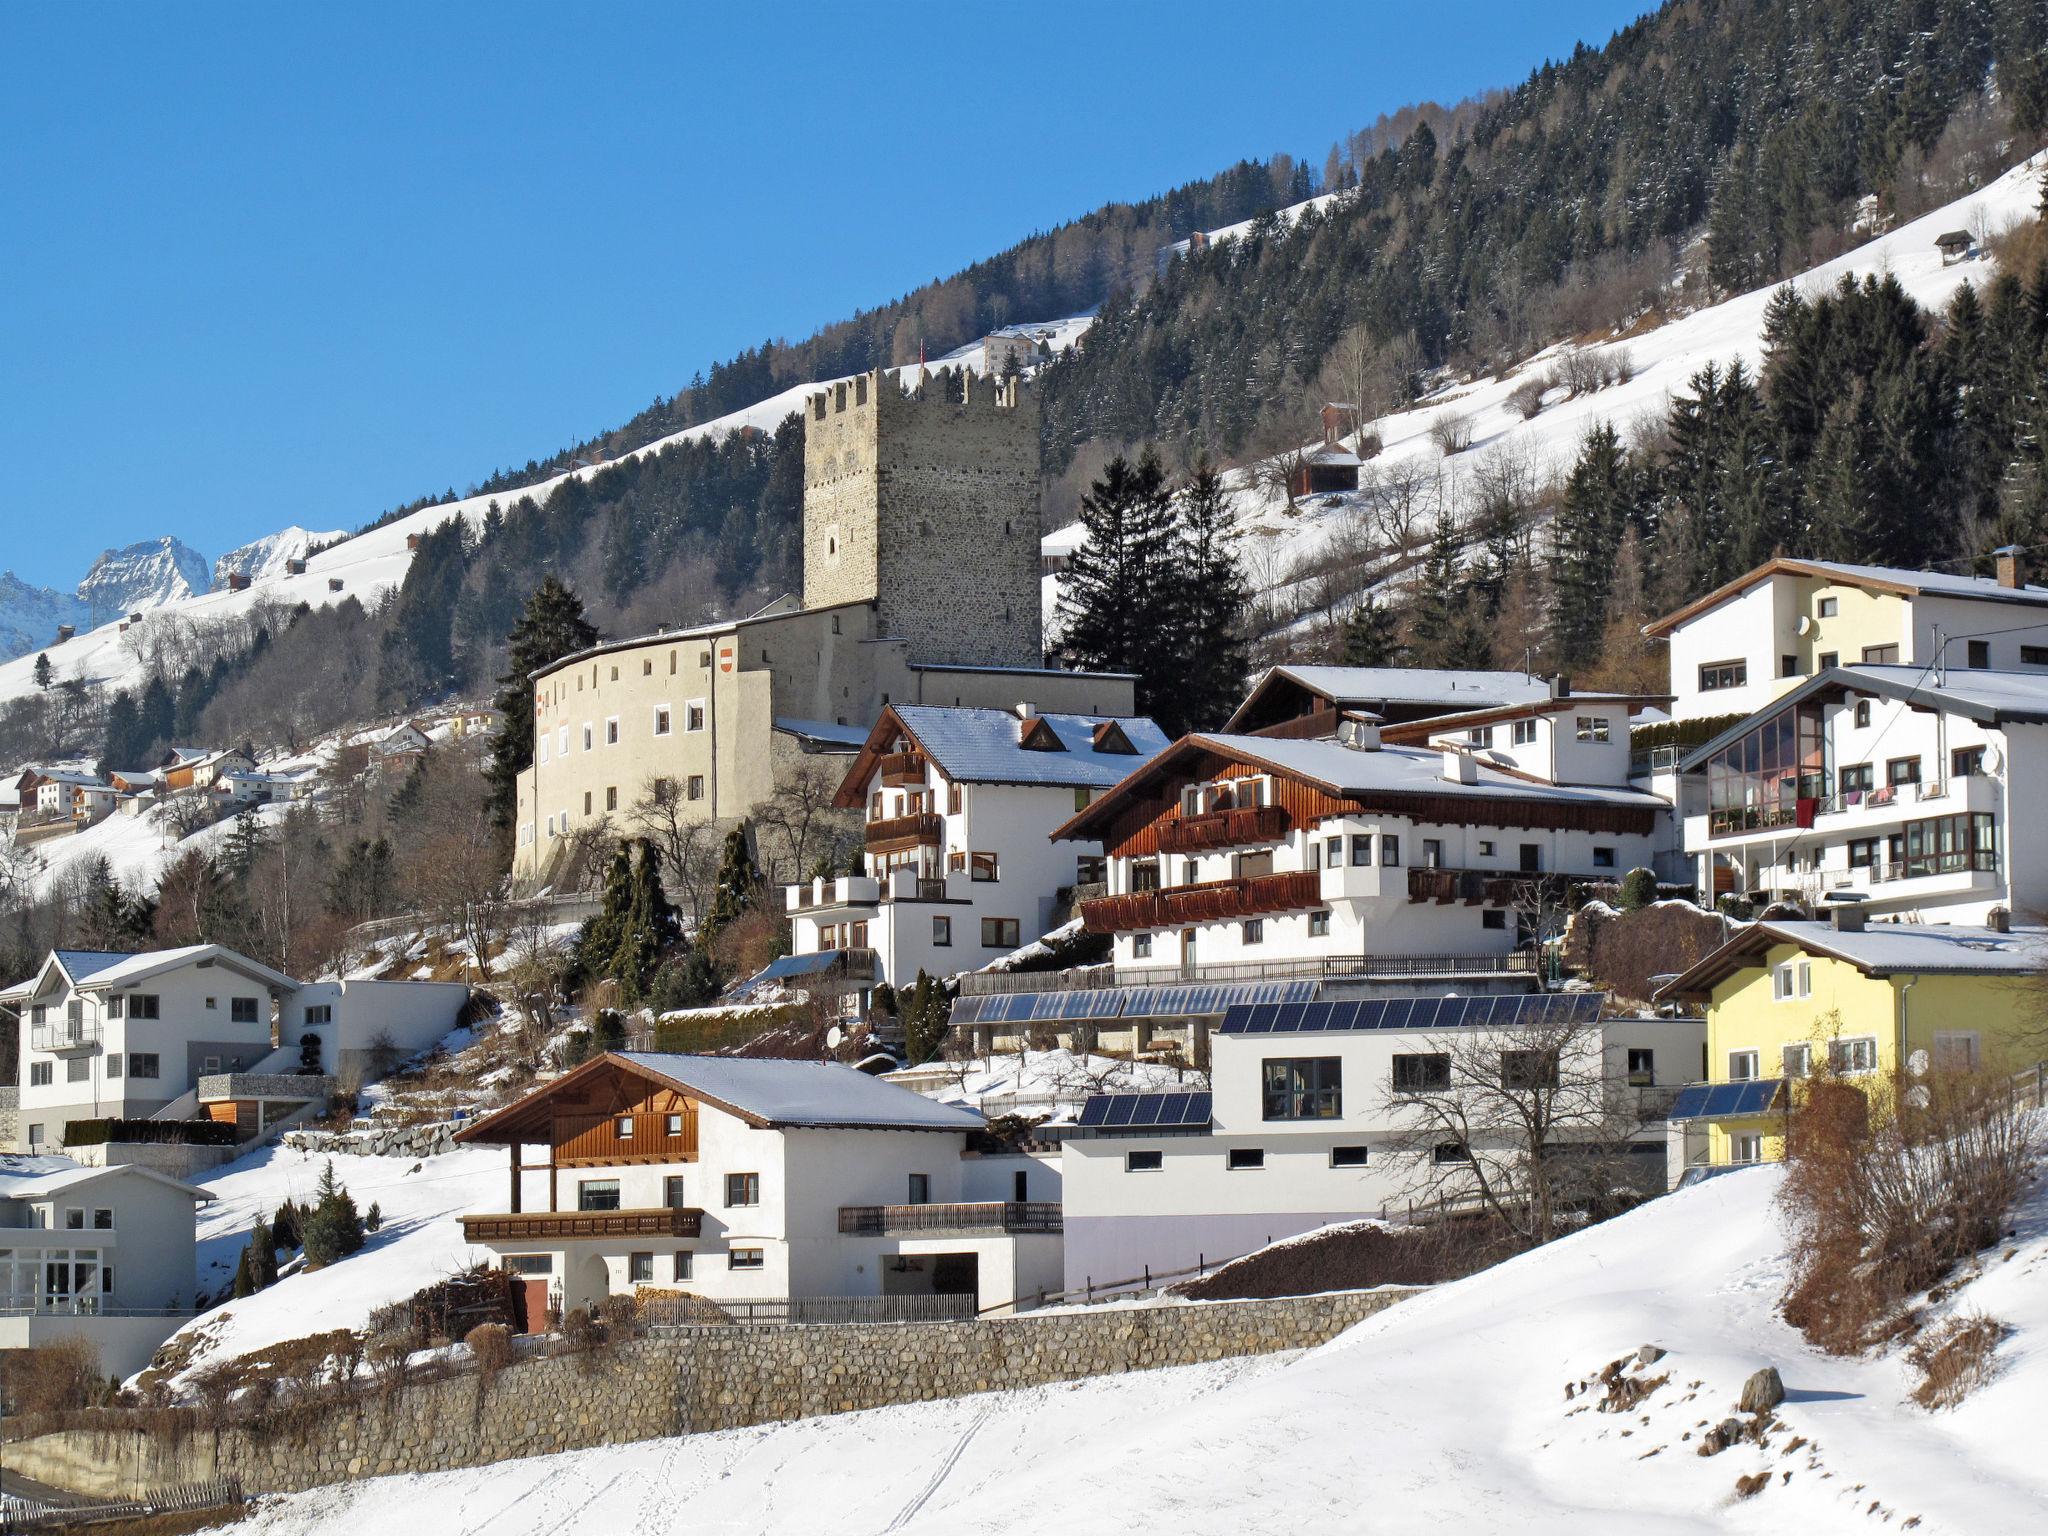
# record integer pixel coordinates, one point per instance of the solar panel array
(1539, 1010)
(1132, 1111)
(1185, 1001)
(1714, 1101)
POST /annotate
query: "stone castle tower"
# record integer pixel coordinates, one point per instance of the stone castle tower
(928, 508)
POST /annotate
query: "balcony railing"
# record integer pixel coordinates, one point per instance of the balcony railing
(523, 1226)
(901, 768)
(1322, 967)
(975, 1216)
(1825, 800)
(1225, 829)
(1208, 902)
(1966, 861)
(65, 1035)
(921, 829)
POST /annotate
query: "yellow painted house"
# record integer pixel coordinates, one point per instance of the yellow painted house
(1783, 999)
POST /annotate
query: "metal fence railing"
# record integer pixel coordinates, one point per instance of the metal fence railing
(183, 1498)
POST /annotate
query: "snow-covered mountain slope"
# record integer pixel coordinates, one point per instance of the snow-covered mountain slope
(1281, 547)
(1447, 1412)
(29, 616)
(268, 556)
(146, 575)
(369, 564)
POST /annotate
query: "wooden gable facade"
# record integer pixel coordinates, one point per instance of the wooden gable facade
(604, 1114)
(1145, 815)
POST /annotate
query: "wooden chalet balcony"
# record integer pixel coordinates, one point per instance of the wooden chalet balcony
(533, 1226)
(1225, 829)
(893, 834)
(1209, 902)
(902, 768)
(1496, 887)
(973, 1216)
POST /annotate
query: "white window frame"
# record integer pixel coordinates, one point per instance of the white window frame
(1743, 1066)
(1525, 733)
(1843, 1047)
(1792, 981)
(1595, 728)
(1745, 1147)
(1971, 1042)
(543, 746)
(1800, 1053)
(561, 741)
(701, 709)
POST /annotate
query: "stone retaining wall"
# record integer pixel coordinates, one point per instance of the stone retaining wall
(687, 1382)
(428, 1140)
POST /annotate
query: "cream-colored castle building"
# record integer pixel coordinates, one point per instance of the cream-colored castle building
(921, 586)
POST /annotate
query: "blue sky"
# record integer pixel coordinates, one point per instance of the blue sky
(267, 264)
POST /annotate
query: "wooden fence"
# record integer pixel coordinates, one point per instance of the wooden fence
(182, 1498)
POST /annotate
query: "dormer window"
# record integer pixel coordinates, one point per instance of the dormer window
(1037, 735)
(1110, 737)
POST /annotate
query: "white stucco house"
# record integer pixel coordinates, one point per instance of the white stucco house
(1744, 645)
(1905, 788)
(1310, 1122)
(177, 1033)
(960, 805)
(761, 1182)
(105, 1254)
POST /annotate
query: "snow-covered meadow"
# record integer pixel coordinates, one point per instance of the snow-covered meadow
(1446, 1413)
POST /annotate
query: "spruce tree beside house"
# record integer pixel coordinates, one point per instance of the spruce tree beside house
(553, 626)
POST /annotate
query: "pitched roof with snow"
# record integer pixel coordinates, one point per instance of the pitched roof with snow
(1989, 698)
(1876, 578)
(779, 1095)
(1411, 779)
(985, 746)
(1375, 689)
(1878, 949)
(34, 1177)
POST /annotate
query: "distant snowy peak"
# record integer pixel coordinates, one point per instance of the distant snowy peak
(144, 575)
(270, 555)
(29, 616)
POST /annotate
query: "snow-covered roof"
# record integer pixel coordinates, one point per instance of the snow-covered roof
(126, 970)
(804, 1093)
(1987, 697)
(1416, 770)
(826, 733)
(1880, 578)
(1877, 949)
(981, 746)
(1371, 687)
(35, 1178)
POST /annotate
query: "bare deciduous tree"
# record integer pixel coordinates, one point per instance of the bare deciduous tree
(450, 857)
(799, 823)
(689, 847)
(1529, 1122)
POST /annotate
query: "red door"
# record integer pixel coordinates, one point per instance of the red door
(536, 1303)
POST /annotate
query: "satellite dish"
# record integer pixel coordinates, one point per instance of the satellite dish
(1916, 1098)
(1805, 624)
(833, 1037)
(1994, 759)
(1917, 1064)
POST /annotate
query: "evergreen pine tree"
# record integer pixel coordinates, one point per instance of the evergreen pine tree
(45, 673)
(261, 1257)
(1111, 601)
(737, 888)
(1205, 610)
(1587, 533)
(1437, 625)
(926, 1017)
(245, 1285)
(333, 1230)
(552, 626)
(1370, 639)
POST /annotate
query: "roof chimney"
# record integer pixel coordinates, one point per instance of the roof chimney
(1999, 920)
(1848, 915)
(1459, 766)
(2011, 570)
(1027, 711)
(1561, 686)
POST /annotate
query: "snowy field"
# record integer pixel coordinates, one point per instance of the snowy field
(422, 1201)
(1445, 1414)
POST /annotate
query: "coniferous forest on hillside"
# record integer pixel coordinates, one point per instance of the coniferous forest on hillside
(1712, 147)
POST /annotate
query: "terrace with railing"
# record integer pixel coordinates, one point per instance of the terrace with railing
(886, 834)
(1312, 968)
(61, 1034)
(970, 1216)
(1206, 902)
(526, 1226)
(1225, 829)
